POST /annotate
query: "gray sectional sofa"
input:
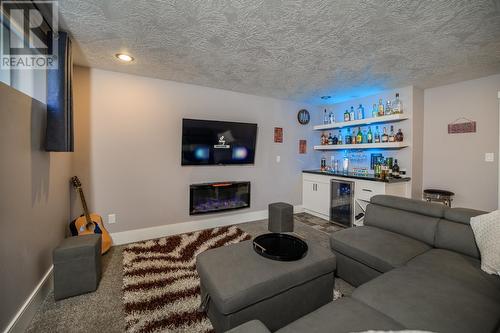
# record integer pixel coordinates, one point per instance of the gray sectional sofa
(416, 266)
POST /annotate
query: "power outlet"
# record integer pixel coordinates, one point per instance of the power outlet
(111, 218)
(278, 158)
(489, 157)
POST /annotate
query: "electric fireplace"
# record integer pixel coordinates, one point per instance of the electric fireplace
(217, 197)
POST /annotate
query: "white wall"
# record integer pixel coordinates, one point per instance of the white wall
(128, 146)
(456, 162)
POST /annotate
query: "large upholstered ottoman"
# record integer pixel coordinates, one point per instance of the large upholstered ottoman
(238, 285)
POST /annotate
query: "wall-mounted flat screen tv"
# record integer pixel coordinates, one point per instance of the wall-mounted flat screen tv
(209, 142)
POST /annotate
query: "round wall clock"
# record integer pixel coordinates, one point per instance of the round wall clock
(303, 117)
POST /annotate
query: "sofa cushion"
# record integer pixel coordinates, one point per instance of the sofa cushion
(438, 292)
(454, 231)
(342, 316)
(414, 225)
(461, 215)
(252, 326)
(235, 276)
(465, 269)
(456, 236)
(409, 205)
(377, 248)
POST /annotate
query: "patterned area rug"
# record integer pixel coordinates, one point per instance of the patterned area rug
(161, 288)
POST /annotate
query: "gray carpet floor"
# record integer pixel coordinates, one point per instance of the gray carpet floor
(102, 310)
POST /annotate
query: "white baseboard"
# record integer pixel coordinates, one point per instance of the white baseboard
(137, 235)
(23, 317)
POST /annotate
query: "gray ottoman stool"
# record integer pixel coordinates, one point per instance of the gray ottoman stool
(77, 266)
(280, 217)
(238, 285)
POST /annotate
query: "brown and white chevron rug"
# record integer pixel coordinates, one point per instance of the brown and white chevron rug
(161, 288)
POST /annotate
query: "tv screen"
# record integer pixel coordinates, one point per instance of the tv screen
(208, 142)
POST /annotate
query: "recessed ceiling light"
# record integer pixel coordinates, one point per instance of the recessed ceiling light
(326, 97)
(124, 57)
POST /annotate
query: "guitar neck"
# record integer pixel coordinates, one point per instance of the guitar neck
(84, 205)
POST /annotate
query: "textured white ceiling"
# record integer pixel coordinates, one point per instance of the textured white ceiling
(296, 49)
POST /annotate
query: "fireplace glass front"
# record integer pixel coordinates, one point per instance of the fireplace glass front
(216, 197)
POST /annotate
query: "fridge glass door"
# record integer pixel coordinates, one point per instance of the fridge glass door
(342, 202)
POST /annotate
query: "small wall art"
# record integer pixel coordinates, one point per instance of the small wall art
(302, 146)
(462, 125)
(278, 135)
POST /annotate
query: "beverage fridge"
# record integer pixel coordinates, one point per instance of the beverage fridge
(342, 202)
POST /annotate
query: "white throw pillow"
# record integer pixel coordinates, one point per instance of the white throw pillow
(486, 230)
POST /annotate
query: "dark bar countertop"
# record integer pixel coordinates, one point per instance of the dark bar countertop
(358, 176)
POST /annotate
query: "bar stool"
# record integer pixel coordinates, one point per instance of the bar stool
(443, 196)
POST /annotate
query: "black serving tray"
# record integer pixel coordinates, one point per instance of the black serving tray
(281, 247)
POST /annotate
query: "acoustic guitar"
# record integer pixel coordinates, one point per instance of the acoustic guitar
(89, 223)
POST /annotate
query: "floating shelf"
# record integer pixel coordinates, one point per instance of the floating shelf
(368, 121)
(385, 145)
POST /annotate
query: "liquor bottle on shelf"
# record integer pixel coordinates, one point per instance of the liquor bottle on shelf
(375, 111)
(397, 105)
(380, 108)
(399, 136)
(348, 137)
(345, 163)
(361, 112)
(325, 118)
(388, 108)
(336, 166)
(351, 114)
(330, 139)
(339, 142)
(323, 139)
(392, 137)
(369, 135)
(323, 163)
(359, 136)
(365, 136)
(346, 115)
(380, 163)
(377, 135)
(335, 140)
(377, 169)
(383, 170)
(389, 161)
(331, 118)
(395, 169)
(385, 137)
